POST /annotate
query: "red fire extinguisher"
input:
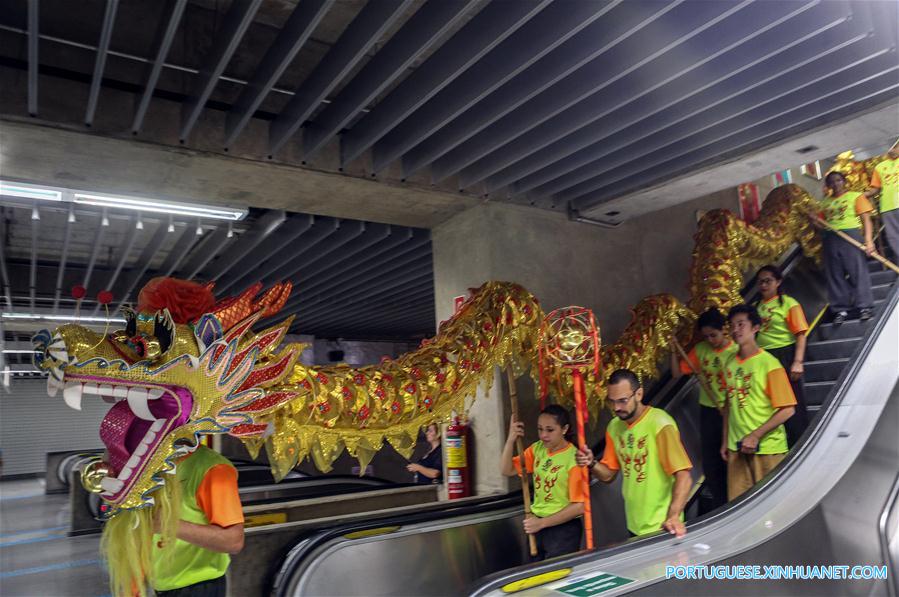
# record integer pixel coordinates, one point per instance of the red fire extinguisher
(458, 484)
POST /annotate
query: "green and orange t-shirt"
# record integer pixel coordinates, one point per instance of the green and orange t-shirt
(756, 388)
(558, 480)
(886, 178)
(782, 320)
(709, 360)
(209, 495)
(647, 452)
(843, 212)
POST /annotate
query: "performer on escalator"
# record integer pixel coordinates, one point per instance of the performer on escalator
(885, 181)
(783, 334)
(847, 271)
(645, 445)
(559, 483)
(759, 401)
(708, 357)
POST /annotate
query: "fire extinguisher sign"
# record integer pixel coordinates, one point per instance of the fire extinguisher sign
(455, 453)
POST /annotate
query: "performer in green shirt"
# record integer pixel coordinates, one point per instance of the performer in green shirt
(644, 444)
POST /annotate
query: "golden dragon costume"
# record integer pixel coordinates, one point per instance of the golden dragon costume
(185, 366)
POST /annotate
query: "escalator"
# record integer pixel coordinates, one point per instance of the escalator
(828, 503)
(446, 549)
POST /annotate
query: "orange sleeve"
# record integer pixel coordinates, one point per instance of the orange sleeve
(796, 320)
(685, 366)
(609, 458)
(217, 496)
(862, 205)
(875, 180)
(578, 484)
(779, 390)
(671, 450)
(528, 460)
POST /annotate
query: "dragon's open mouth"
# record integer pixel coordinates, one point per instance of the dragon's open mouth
(141, 417)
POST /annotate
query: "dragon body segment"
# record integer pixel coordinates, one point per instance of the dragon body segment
(186, 366)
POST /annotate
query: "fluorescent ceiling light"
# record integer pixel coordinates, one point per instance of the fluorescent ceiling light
(162, 207)
(19, 351)
(16, 190)
(75, 318)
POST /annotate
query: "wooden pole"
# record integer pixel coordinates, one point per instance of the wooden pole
(700, 375)
(519, 447)
(886, 262)
(580, 410)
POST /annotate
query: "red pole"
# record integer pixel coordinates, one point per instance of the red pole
(580, 410)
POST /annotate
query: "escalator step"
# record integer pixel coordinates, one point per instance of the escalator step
(824, 370)
(883, 277)
(816, 392)
(840, 348)
(853, 328)
(880, 291)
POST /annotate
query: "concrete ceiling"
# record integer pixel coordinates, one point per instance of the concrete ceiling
(411, 111)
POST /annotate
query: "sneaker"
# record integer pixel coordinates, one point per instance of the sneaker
(866, 314)
(840, 317)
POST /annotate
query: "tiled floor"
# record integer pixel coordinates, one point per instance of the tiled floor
(36, 556)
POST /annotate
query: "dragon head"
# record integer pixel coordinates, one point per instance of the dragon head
(183, 367)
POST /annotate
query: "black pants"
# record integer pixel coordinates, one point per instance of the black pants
(217, 587)
(714, 489)
(796, 424)
(560, 539)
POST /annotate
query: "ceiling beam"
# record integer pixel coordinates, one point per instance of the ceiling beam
(817, 35)
(293, 268)
(162, 51)
(35, 234)
(227, 38)
(589, 44)
(321, 229)
(302, 22)
(124, 290)
(871, 82)
(203, 255)
(98, 243)
(267, 223)
(428, 24)
(718, 53)
(557, 23)
(132, 239)
(302, 270)
(484, 32)
(294, 228)
(4, 273)
(100, 60)
(34, 9)
(64, 256)
(674, 27)
(363, 32)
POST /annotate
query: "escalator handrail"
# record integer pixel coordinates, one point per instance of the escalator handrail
(775, 479)
(307, 545)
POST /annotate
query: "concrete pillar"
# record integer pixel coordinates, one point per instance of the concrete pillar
(562, 263)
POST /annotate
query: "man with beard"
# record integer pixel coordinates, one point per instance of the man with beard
(644, 444)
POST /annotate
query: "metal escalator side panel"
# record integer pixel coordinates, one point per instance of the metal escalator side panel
(440, 557)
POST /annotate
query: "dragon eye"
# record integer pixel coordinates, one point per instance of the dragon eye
(164, 329)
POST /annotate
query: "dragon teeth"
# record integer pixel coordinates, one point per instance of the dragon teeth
(137, 401)
(126, 473)
(111, 485)
(155, 393)
(120, 392)
(155, 427)
(91, 388)
(72, 395)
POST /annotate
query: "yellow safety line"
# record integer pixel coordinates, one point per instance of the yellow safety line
(536, 580)
(817, 319)
(371, 532)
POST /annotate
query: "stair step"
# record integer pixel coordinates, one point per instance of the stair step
(853, 328)
(816, 392)
(840, 348)
(824, 370)
(883, 277)
(880, 291)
